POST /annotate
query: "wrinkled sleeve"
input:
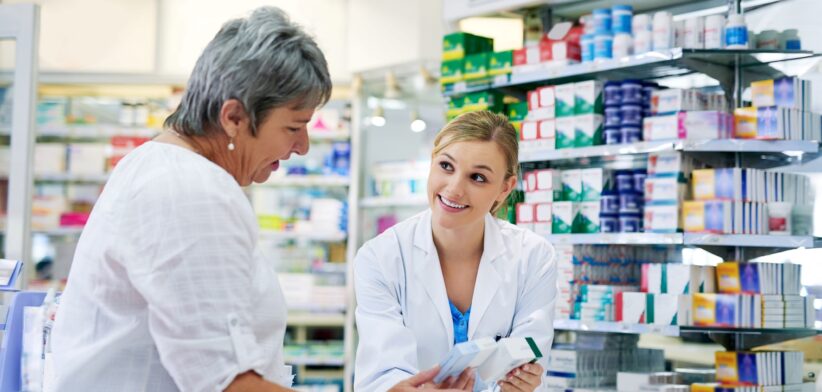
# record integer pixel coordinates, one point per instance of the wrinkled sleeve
(387, 350)
(534, 316)
(191, 245)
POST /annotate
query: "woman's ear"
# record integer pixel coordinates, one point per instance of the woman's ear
(507, 187)
(233, 117)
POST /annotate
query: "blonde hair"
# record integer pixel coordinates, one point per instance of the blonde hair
(483, 126)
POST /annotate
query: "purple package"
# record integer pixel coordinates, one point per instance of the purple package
(724, 183)
(749, 277)
(725, 310)
(746, 368)
(714, 216)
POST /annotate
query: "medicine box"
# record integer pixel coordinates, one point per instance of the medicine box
(565, 100)
(588, 97)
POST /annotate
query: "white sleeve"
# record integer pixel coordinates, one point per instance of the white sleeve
(387, 350)
(191, 244)
(534, 315)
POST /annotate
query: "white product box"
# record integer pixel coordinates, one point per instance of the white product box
(665, 163)
(87, 159)
(541, 185)
(525, 213)
(665, 309)
(565, 361)
(587, 130)
(664, 188)
(543, 219)
(565, 96)
(562, 213)
(565, 132)
(652, 278)
(686, 125)
(675, 100)
(662, 218)
(464, 356)
(546, 136)
(588, 97)
(684, 309)
(510, 354)
(49, 158)
(530, 130)
(676, 279)
(632, 382)
(631, 307)
(703, 279)
(572, 185)
(546, 96)
(592, 184)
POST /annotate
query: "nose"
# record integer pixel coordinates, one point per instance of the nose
(301, 146)
(455, 188)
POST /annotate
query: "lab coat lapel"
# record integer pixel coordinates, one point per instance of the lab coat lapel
(427, 269)
(488, 277)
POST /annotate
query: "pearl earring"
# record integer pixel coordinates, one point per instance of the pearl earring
(231, 145)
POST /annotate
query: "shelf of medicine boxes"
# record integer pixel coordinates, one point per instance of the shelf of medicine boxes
(302, 319)
(616, 239)
(714, 145)
(307, 181)
(324, 236)
(736, 338)
(716, 63)
(394, 201)
(693, 239)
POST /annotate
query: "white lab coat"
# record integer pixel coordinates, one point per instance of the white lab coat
(403, 317)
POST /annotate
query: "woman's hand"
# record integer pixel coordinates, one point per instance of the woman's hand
(423, 381)
(525, 378)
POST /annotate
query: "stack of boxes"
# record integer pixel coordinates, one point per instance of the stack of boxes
(665, 190)
(737, 295)
(595, 368)
(627, 103)
(558, 48)
(757, 371)
(579, 114)
(459, 49)
(687, 114)
(735, 200)
(539, 126)
(781, 110)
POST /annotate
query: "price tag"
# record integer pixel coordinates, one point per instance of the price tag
(500, 80)
(460, 87)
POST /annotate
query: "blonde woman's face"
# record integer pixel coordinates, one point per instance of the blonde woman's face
(465, 180)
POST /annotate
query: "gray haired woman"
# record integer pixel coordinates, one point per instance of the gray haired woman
(167, 291)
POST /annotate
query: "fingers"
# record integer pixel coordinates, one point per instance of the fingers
(465, 380)
(422, 377)
(532, 368)
(520, 380)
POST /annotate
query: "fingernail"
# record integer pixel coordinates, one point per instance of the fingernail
(516, 372)
(526, 368)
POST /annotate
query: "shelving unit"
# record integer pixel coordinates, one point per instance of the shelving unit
(308, 181)
(310, 236)
(381, 202)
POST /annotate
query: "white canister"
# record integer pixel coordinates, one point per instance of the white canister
(715, 32)
(622, 45)
(736, 32)
(694, 33)
(779, 218)
(768, 39)
(643, 41)
(642, 22)
(679, 34)
(790, 40)
(663, 37)
(603, 46)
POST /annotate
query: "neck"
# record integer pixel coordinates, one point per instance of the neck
(464, 243)
(214, 148)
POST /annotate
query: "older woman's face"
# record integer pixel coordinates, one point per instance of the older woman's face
(282, 133)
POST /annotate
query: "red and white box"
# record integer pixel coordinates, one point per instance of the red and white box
(542, 218)
(525, 216)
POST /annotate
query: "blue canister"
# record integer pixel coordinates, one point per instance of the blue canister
(639, 180)
(632, 91)
(630, 201)
(630, 114)
(630, 133)
(586, 43)
(648, 89)
(624, 181)
(621, 16)
(629, 222)
(613, 116)
(608, 223)
(612, 93)
(609, 202)
(612, 135)
(603, 46)
(602, 21)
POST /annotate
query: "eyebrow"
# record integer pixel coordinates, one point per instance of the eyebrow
(486, 167)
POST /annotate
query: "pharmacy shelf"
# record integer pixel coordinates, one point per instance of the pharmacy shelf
(721, 145)
(314, 361)
(340, 135)
(747, 240)
(323, 236)
(316, 319)
(616, 239)
(314, 308)
(94, 131)
(396, 201)
(60, 231)
(730, 338)
(308, 181)
(71, 177)
(99, 78)
(716, 63)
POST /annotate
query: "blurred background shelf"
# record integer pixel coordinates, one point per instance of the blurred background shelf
(397, 201)
(616, 239)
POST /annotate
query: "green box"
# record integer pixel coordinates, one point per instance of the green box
(563, 213)
(587, 130)
(565, 100)
(451, 71)
(475, 66)
(500, 63)
(458, 45)
(455, 107)
(565, 132)
(483, 100)
(517, 111)
(586, 220)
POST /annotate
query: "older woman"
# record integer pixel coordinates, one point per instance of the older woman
(167, 291)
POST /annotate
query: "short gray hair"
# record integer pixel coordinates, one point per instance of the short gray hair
(264, 61)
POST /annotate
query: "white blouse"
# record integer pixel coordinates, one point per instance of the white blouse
(167, 290)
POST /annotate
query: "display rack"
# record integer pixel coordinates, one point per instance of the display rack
(381, 202)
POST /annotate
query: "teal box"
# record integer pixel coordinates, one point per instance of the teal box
(565, 100)
(588, 97)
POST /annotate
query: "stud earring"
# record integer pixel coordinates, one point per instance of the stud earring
(231, 145)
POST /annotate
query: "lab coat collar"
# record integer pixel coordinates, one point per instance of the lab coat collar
(488, 278)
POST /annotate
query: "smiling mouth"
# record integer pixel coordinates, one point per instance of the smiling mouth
(452, 204)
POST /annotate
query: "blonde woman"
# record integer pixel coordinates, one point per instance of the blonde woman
(454, 272)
